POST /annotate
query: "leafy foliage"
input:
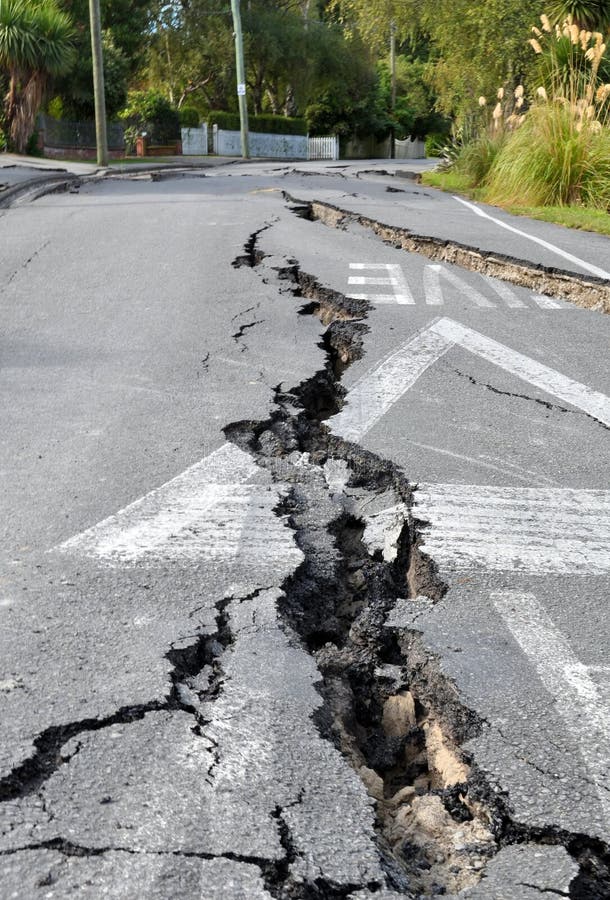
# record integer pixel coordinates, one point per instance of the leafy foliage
(151, 112)
(189, 117)
(36, 43)
(593, 15)
(267, 124)
(558, 152)
(125, 38)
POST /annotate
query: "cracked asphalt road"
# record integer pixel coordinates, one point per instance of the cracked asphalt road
(306, 546)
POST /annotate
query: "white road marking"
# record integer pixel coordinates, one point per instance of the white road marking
(382, 386)
(394, 277)
(589, 267)
(532, 530)
(432, 287)
(503, 290)
(547, 302)
(568, 681)
(433, 290)
(218, 509)
(380, 298)
(363, 279)
(576, 394)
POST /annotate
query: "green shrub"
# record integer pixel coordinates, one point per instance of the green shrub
(32, 145)
(189, 117)
(55, 108)
(228, 121)
(151, 112)
(560, 153)
(474, 160)
(268, 124)
(435, 142)
(265, 124)
(553, 159)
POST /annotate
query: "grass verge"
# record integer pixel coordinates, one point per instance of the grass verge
(579, 217)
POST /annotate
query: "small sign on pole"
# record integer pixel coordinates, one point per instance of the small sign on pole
(241, 90)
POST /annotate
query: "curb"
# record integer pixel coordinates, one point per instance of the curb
(46, 184)
(38, 187)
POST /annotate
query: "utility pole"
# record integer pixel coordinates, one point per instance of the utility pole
(98, 83)
(393, 82)
(241, 78)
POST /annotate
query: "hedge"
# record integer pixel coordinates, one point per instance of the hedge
(265, 124)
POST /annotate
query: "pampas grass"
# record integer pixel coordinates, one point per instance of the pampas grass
(557, 152)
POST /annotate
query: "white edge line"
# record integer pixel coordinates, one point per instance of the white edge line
(589, 267)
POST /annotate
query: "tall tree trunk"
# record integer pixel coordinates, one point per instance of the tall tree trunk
(170, 77)
(10, 101)
(30, 101)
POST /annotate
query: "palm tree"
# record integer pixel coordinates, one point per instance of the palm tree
(36, 43)
(592, 15)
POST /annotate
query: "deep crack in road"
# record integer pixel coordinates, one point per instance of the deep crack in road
(327, 721)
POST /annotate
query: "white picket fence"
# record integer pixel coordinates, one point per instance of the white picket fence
(323, 147)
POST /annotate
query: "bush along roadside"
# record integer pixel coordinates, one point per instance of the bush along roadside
(550, 150)
(264, 124)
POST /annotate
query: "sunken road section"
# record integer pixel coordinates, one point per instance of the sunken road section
(587, 291)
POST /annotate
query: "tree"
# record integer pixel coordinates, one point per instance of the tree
(373, 19)
(192, 54)
(151, 112)
(474, 46)
(477, 48)
(36, 43)
(125, 38)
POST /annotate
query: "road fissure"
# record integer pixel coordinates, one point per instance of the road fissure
(387, 705)
(589, 291)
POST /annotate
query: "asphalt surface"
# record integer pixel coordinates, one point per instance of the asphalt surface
(169, 727)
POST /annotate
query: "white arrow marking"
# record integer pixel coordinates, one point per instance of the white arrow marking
(503, 290)
(432, 287)
(547, 302)
(533, 530)
(218, 509)
(566, 679)
(380, 298)
(595, 270)
(383, 385)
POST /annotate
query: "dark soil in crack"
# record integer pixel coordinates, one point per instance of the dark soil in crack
(387, 705)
